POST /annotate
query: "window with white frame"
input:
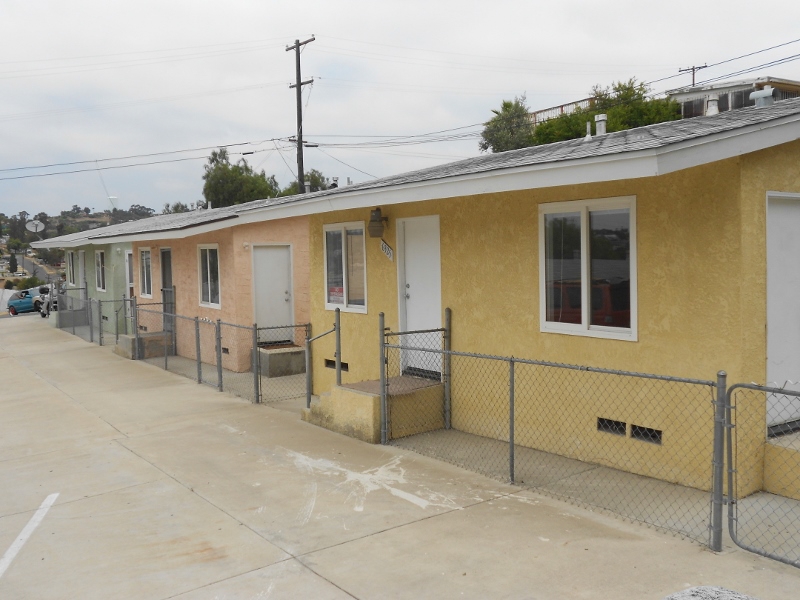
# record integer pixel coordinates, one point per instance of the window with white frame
(145, 276)
(587, 267)
(345, 267)
(100, 270)
(71, 268)
(209, 276)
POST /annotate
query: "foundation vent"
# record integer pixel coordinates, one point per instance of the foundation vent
(646, 434)
(611, 426)
(331, 364)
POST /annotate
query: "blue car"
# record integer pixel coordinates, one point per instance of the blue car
(25, 301)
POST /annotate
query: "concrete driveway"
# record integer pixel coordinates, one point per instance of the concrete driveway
(169, 489)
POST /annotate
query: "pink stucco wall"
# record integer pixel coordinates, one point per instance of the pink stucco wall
(235, 264)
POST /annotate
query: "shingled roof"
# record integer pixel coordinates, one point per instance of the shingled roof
(650, 137)
(641, 141)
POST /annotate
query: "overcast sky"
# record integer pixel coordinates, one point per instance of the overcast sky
(96, 80)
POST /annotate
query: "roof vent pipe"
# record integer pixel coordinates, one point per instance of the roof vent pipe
(600, 124)
(588, 130)
(763, 97)
(307, 186)
(712, 108)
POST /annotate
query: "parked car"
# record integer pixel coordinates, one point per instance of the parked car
(25, 301)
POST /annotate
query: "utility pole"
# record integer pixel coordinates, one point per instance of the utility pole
(299, 86)
(693, 70)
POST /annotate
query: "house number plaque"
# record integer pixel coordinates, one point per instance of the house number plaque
(387, 250)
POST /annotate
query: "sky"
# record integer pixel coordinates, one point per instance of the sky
(109, 86)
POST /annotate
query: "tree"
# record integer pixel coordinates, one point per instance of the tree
(317, 180)
(227, 184)
(14, 244)
(509, 129)
(12, 263)
(625, 103)
(178, 207)
(140, 211)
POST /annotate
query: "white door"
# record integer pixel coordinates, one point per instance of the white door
(82, 274)
(272, 292)
(129, 273)
(420, 283)
(783, 307)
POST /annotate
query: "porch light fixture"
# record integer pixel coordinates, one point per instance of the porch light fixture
(375, 225)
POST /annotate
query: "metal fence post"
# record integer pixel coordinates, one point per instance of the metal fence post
(309, 377)
(731, 467)
(337, 325)
(383, 366)
(89, 318)
(511, 390)
(135, 320)
(447, 365)
(197, 349)
(99, 322)
(256, 365)
(718, 462)
(219, 354)
(165, 334)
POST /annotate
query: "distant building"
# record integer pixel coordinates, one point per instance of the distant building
(730, 95)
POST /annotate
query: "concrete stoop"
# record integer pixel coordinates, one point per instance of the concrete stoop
(280, 362)
(151, 345)
(355, 409)
(781, 465)
(347, 411)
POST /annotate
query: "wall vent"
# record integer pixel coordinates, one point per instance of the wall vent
(331, 364)
(646, 434)
(225, 350)
(611, 426)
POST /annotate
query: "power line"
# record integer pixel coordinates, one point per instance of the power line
(774, 63)
(728, 60)
(127, 103)
(69, 69)
(155, 162)
(67, 58)
(131, 156)
(345, 164)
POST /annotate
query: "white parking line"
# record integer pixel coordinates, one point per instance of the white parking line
(36, 519)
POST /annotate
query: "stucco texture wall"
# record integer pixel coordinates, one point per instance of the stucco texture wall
(701, 298)
(236, 292)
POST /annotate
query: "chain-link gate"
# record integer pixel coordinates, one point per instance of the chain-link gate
(281, 355)
(639, 446)
(73, 313)
(763, 456)
(222, 355)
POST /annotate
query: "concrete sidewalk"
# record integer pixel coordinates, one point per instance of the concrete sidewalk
(169, 489)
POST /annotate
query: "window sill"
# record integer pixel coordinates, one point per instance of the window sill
(624, 335)
(209, 305)
(347, 309)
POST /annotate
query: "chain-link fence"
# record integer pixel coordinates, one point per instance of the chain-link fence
(73, 313)
(112, 319)
(764, 470)
(282, 361)
(264, 364)
(636, 445)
